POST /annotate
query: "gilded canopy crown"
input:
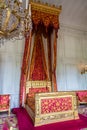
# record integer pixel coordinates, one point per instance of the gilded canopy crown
(45, 7)
(48, 14)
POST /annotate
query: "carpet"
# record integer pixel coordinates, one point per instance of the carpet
(25, 122)
(83, 110)
(6, 121)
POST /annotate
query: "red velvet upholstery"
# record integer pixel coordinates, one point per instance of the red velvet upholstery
(82, 96)
(4, 102)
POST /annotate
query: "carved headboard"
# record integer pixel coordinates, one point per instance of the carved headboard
(38, 85)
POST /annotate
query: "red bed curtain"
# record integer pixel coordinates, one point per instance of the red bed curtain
(50, 23)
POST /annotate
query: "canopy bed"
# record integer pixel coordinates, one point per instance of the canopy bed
(38, 88)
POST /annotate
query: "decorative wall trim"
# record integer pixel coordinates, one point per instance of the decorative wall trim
(74, 27)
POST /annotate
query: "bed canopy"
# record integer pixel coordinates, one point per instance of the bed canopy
(39, 60)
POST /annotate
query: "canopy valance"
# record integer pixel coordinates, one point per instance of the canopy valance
(46, 14)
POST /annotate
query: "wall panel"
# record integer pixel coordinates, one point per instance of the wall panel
(11, 54)
(72, 51)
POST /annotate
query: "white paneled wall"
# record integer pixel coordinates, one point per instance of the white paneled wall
(72, 51)
(11, 54)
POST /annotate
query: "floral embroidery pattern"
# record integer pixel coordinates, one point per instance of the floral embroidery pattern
(4, 102)
(56, 105)
(33, 91)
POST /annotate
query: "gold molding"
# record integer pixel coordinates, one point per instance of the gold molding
(38, 84)
(41, 7)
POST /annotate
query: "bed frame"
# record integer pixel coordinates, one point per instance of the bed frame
(51, 107)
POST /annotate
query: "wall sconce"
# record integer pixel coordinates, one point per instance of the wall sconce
(83, 68)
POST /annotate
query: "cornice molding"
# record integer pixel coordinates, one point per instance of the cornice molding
(78, 28)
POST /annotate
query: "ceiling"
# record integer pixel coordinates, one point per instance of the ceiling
(74, 12)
